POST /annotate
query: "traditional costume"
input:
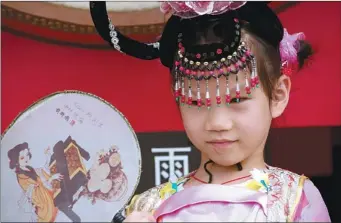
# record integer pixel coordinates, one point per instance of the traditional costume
(271, 194)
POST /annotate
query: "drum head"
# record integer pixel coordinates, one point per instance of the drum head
(70, 157)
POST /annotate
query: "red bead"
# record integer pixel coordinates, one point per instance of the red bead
(177, 63)
(183, 98)
(228, 69)
(237, 94)
(176, 93)
(181, 68)
(243, 59)
(228, 98)
(188, 71)
(198, 56)
(221, 70)
(182, 50)
(218, 99)
(202, 73)
(180, 45)
(256, 80)
(211, 72)
(219, 51)
(236, 20)
(208, 102)
(247, 53)
(189, 100)
(248, 90)
(287, 71)
(199, 102)
(194, 72)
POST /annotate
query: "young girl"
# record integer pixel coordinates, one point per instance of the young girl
(229, 62)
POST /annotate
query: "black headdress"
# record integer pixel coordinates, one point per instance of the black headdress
(263, 22)
(204, 61)
(120, 42)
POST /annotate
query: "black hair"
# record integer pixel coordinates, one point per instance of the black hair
(260, 27)
(258, 18)
(13, 154)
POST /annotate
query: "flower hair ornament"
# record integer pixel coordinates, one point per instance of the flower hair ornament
(288, 48)
(197, 63)
(191, 9)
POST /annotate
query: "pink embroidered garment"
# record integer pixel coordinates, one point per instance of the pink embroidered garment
(235, 203)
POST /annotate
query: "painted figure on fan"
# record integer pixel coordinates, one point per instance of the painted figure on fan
(231, 64)
(105, 181)
(37, 195)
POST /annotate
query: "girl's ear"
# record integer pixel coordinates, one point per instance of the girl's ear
(280, 96)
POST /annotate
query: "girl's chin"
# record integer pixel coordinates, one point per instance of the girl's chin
(225, 160)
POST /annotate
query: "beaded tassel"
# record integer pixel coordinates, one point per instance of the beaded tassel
(254, 77)
(217, 95)
(179, 85)
(189, 99)
(247, 85)
(183, 95)
(227, 94)
(176, 87)
(237, 89)
(207, 96)
(199, 100)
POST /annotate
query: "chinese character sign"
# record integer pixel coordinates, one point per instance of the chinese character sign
(173, 162)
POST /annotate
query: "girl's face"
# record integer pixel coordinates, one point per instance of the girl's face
(24, 157)
(230, 134)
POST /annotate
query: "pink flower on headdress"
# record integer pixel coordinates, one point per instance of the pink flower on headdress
(190, 9)
(289, 46)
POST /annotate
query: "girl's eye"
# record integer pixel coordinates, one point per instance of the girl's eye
(235, 100)
(194, 102)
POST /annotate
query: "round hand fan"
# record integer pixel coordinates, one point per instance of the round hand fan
(70, 157)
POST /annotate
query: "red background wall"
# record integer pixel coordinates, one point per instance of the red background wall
(32, 69)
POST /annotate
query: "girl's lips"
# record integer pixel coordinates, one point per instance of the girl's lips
(221, 144)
